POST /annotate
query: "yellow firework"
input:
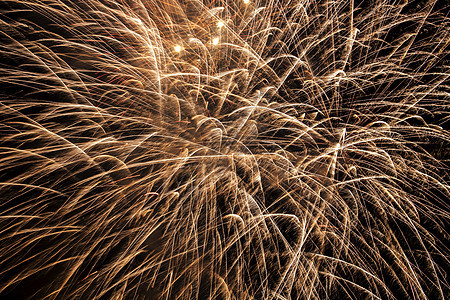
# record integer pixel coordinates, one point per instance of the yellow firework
(188, 149)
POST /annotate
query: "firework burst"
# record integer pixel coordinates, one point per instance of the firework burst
(260, 149)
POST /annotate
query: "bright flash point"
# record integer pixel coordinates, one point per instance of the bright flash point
(177, 48)
(220, 24)
(215, 41)
(246, 1)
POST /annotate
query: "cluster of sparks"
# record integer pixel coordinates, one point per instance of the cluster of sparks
(224, 149)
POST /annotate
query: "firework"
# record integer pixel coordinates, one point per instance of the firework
(260, 149)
